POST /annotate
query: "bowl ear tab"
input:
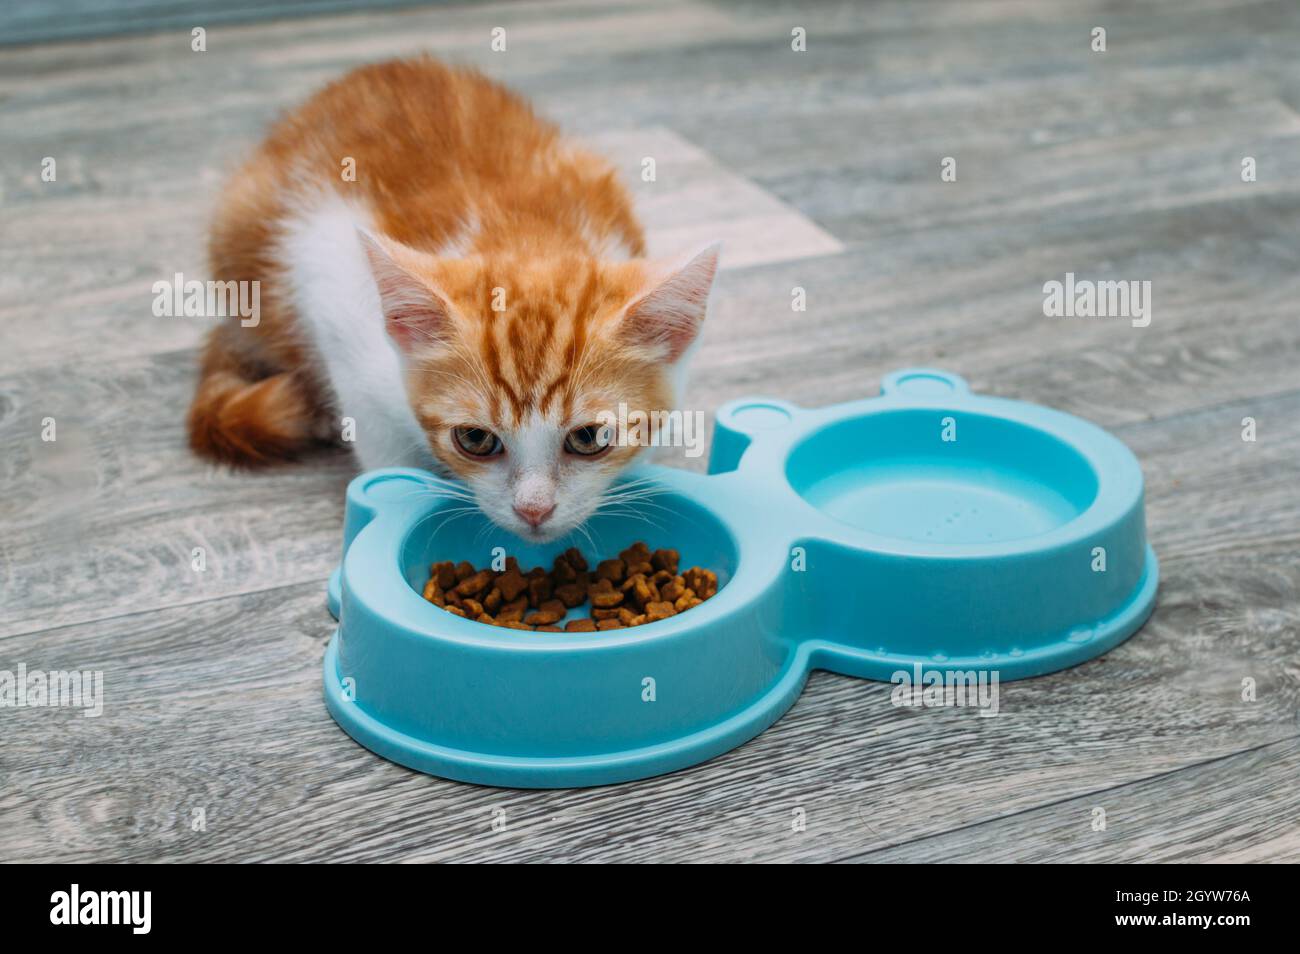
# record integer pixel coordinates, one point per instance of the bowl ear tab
(738, 423)
(923, 383)
(375, 490)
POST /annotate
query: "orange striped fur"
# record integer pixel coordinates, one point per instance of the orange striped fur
(509, 274)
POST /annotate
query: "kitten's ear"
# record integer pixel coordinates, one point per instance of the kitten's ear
(669, 314)
(414, 313)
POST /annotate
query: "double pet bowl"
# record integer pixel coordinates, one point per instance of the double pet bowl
(925, 530)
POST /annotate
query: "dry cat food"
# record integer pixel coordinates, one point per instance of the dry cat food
(639, 586)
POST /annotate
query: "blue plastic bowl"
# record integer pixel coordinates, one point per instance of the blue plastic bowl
(928, 529)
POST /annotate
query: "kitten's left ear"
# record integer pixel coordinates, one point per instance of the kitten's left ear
(669, 315)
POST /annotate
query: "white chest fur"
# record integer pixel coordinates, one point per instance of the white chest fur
(338, 309)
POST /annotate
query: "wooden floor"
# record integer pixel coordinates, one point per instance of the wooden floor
(1117, 165)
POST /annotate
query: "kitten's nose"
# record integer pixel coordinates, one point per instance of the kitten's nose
(535, 514)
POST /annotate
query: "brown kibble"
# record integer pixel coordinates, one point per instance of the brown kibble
(659, 610)
(552, 611)
(612, 570)
(603, 595)
(636, 553)
(703, 582)
(635, 588)
(511, 583)
(444, 573)
(571, 594)
(475, 584)
(513, 611)
(562, 571)
(673, 589)
(666, 560)
(539, 590)
(638, 589)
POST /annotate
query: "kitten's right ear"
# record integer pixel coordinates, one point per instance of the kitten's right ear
(414, 313)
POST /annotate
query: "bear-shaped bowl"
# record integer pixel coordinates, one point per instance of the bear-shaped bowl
(924, 532)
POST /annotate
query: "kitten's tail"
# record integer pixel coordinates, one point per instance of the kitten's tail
(249, 422)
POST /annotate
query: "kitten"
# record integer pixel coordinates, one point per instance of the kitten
(473, 297)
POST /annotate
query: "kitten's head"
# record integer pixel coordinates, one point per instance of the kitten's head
(515, 368)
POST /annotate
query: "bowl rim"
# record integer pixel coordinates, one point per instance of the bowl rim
(1120, 483)
(373, 575)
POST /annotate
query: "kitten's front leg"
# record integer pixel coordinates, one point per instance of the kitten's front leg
(387, 437)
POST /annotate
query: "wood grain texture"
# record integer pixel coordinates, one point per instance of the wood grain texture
(1116, 165)
(1238, 808)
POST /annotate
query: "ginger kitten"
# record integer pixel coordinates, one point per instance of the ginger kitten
(473, 300)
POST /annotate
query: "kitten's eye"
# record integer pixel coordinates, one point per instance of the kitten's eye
(476, 441)
(588, 440)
